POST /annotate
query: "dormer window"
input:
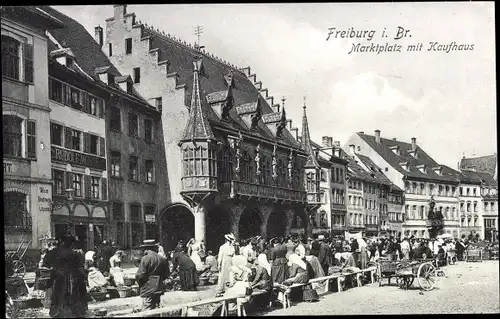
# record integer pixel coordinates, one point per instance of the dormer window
(438, 170)
(111, 79)
(422, 168)
(129, 88)
(413, 153)
(405, 166)
(69, 61)
(395, 149)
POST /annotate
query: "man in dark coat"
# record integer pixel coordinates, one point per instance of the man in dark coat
(153, 270)
(325, 254)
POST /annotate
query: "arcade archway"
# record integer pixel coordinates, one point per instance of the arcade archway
(276, 224)
(177, 223)
(250, 224)
(218, 223)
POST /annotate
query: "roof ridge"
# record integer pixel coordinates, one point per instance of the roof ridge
(188, 46)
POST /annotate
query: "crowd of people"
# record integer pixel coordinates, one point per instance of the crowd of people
(240, 266)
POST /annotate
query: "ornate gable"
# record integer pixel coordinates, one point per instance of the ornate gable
(251, 113)
(223, 101)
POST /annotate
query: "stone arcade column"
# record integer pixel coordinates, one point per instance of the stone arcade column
(199, 223)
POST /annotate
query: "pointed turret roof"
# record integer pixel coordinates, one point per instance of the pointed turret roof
(305, 142)
(198, 126)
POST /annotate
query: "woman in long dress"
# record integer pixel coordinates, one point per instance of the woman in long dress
(188, 276)
(226, 252)
(279, 262)
(68, 299)
(299, 273)
(115, 269)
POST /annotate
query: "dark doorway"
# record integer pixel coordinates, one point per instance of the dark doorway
(276, 225)
(81, 234)
(217, 225)
(60, 230)
(250, 224)
(177, 224)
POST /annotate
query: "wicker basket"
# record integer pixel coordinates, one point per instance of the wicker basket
(124, 293)
(128, 281)
(99, 295)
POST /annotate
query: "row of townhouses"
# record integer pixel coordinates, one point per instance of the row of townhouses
(131, 133)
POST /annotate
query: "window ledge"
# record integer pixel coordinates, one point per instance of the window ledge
(151, 183)
(117, 177)
(134, 181)
(23, 159)
(15, 80)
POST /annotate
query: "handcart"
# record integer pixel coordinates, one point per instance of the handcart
(15, 259)
(425, 271)
(386, 269)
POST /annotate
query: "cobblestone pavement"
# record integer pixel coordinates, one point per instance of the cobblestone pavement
(468, 288)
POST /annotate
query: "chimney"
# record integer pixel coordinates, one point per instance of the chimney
(296, 133)
(394, 139)
(377, 136)
(289, 123)
(413, 143)
(327, 145)
(98, 35)
(361, 132)
(352, 149)
(337, 144)
(120, 10)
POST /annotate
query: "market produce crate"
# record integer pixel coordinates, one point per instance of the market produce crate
(99, 295)
(474, 255)
(124, 292)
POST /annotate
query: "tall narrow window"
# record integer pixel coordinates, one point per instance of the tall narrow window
(10, 57)
(128, 45)
(95, 187)
(132, 173)
(94, 143)
(28, 62)
(115, 164)
(58, 177)
(129, 88)
(115, 119)
(110, 49)
(31, 139)
(137, 75)
(148, 130)
(76, 140)
(132, 124)
(149, 171)
(56, 134)
(77, 185)
(12, 135)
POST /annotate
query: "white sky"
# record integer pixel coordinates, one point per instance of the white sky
(446, 100)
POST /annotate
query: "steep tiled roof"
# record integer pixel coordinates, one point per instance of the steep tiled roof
(181, 56)
(88, 53)
(197, 126)
(486, 178)
(355, 170)
(374, 169)
(384, 150)
(305, 143)
(484, 164)
(323, 156)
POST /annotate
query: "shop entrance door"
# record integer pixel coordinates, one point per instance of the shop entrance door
(81, 233)
(60, 230)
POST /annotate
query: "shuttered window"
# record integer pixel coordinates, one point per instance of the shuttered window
(31, 139)
(28, 62)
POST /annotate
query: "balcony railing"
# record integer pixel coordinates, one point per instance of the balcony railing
(240, 188)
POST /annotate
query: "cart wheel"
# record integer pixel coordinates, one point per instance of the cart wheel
(426, 276)
(12, 255)
(19, 269)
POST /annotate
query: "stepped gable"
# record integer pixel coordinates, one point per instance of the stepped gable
(483, 164)
(383, 149)
(88, 53)
(213, 82)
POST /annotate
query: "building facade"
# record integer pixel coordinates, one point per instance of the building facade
(127, 162)
(232, 164)
(27, 186)
(411, 169)
(484, 169)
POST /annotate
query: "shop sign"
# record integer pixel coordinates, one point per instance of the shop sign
(150, 218)
(44, 200)
(76, 158)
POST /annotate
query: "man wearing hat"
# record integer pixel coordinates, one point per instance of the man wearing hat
(226, 253)
(153, 270)
(325, 254)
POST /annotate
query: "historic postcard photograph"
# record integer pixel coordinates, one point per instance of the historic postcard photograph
(250, 159)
